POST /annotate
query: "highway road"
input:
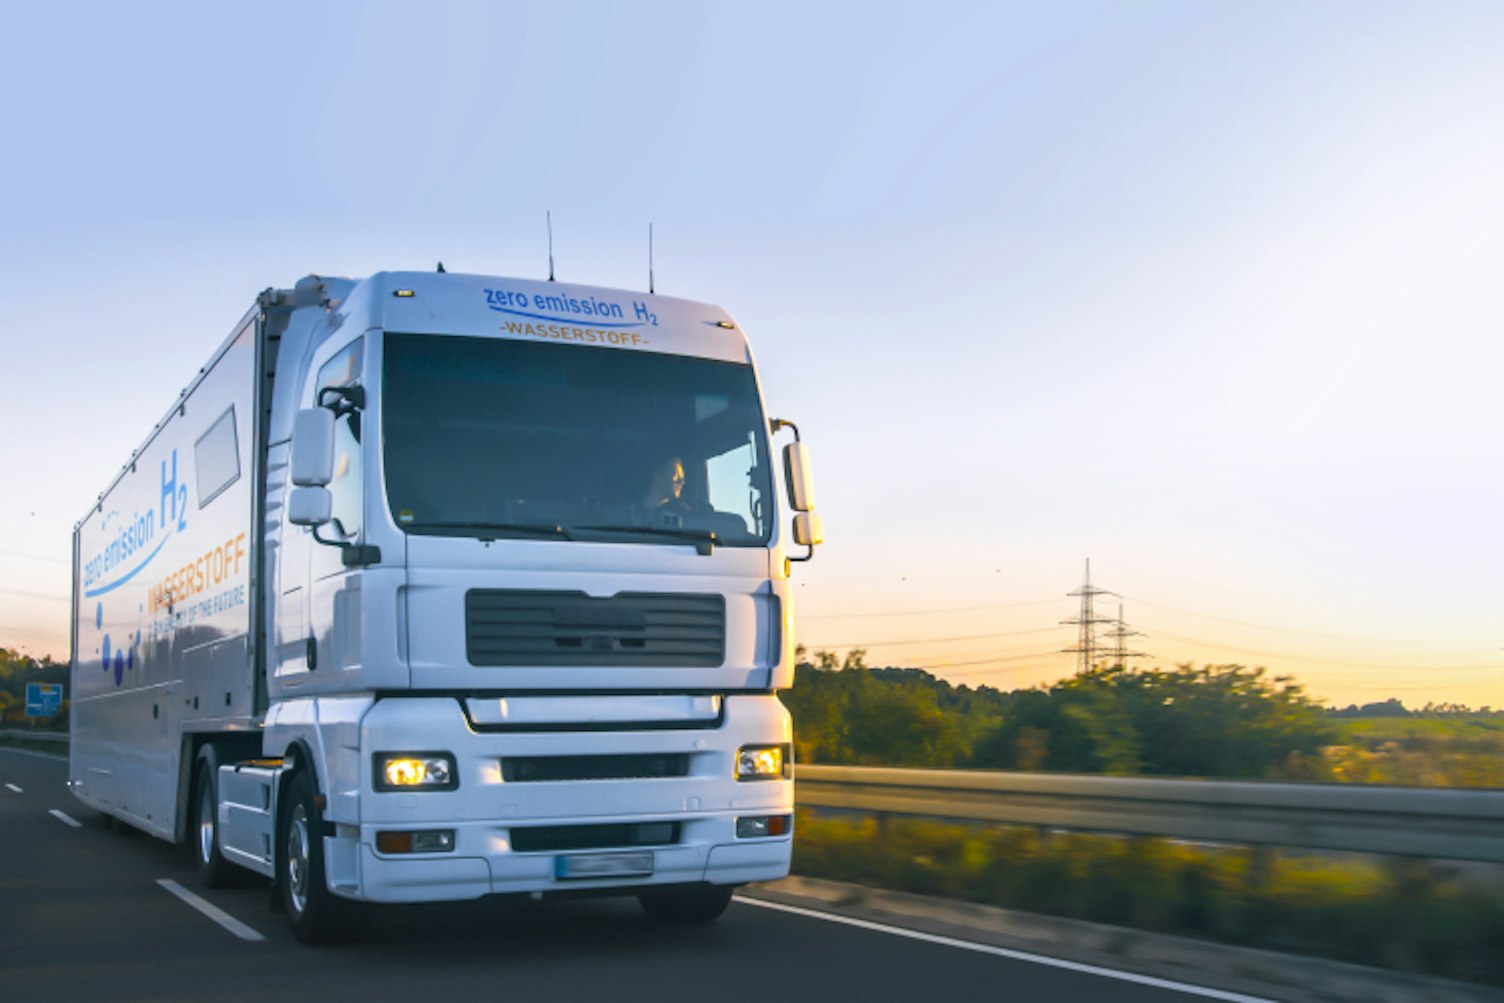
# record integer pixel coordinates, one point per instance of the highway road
(91, 913)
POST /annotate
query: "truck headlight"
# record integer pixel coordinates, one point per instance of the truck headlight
(763, 762)
(414, 771)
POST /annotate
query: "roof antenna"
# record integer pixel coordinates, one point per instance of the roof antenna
(651, 290)
(550, 217)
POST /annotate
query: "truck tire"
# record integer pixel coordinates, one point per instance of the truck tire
(214, 871)
(315, 913)
(693, 905)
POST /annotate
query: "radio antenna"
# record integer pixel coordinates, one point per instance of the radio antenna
(650, 259)
(549, 216)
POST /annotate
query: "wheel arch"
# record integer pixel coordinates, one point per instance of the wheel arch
(205, 752)
(299, 757)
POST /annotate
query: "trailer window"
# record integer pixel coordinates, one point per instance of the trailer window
(488, 432)
(216, 458)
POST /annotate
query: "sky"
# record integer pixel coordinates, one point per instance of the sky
(1205, 293)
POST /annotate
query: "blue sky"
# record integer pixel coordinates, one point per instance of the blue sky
(1205, 292)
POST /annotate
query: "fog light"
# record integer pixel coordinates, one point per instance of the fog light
(433, 841)
(762, 826)
(420, 841)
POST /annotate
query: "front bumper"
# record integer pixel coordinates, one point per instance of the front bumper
(486, 812)
(476, 867)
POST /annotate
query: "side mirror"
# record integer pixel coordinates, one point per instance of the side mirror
(313, 448)
(309, 506)
(809, 529)
(797, 474)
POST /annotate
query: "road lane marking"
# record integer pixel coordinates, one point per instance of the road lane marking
(214, 912)
(1003, 952)
(63, 817)
(14, 788)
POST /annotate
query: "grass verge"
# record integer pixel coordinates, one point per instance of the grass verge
(1406, 915)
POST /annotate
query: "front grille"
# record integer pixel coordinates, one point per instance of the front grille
(541, 769)
(616, 835)
(631, 629)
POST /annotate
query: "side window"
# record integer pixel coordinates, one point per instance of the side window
(732, 477)
(344, 370)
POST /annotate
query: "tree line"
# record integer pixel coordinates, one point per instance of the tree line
(1214, 721)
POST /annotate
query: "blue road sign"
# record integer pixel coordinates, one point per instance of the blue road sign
(43, 699)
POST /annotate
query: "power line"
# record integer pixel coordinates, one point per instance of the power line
(1323, 661)
(31, 632)
(1095, 643)
(1270, 626)
(969, 673)
(922, 663)
(933, 640)
(1132, 598)
(927, 612)
(993, 660)
(974, 673)
(33, 557)
(34, 595)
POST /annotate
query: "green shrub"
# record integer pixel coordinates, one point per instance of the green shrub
(1406, 915)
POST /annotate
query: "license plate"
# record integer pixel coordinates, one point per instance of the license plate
(603, 865)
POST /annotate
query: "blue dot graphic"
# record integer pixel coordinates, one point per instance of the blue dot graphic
(119, 666)
(106, 658)
(130, 659)
(98, 615)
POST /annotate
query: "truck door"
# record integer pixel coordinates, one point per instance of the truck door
(287, 558)
(334, 589)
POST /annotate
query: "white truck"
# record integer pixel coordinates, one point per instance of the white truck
(435, 586)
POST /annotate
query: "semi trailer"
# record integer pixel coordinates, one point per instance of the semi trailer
(434, 586)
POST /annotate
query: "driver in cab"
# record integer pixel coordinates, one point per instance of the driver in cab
(665, 495)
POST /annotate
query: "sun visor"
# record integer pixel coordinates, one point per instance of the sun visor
(590, 316)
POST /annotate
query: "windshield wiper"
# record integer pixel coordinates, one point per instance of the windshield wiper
(501, 528)
(703, 539)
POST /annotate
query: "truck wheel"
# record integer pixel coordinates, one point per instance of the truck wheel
(213, 869)
(695, 905)
(315, 913)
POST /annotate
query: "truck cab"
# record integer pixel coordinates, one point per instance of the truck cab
(524, 602)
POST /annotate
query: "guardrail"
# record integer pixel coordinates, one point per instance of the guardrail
(1440, 823)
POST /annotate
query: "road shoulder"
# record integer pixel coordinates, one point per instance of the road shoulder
(1235, 969)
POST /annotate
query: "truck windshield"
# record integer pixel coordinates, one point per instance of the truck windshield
(488, 438)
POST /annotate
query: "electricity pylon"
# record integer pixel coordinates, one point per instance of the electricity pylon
(1086, 645)
(1119, 635)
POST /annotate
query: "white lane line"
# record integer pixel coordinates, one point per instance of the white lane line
(214, 912)
(14, 788)
(64, 817)
(1003, 952)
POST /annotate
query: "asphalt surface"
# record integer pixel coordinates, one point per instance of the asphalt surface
(85, 914)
